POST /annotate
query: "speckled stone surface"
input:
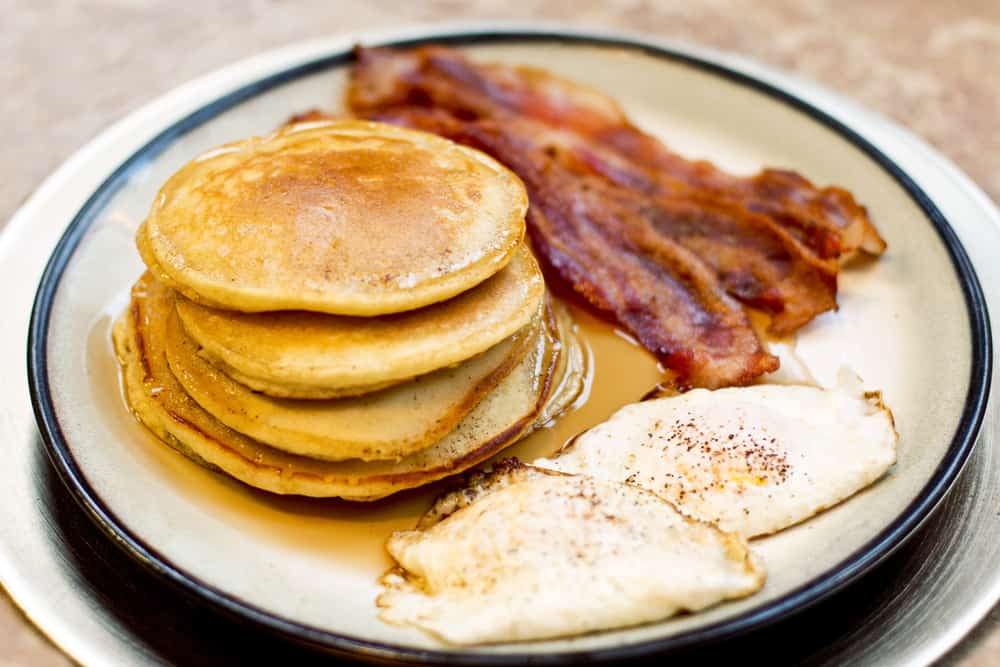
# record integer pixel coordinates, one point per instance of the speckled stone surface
(72, 68)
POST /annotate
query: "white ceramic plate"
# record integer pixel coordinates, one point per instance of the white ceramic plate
(913, 324)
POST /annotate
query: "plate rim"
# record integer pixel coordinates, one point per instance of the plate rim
(803, 596)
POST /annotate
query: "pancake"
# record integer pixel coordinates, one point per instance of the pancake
(387, 424)
(300, 354)
(159, 401)
(146, 254)
(344, 217)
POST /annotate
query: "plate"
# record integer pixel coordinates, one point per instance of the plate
(274, 562)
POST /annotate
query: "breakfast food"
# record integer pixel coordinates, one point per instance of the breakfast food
(348, 218)
(316, 404)
(752, 460)
(828, 220)
(666, 247)
(524, 553)
(377, 425)
(349, 308)
(312, 355)
(161, 403)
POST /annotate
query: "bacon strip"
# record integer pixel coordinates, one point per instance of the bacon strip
(758, 261)
(826, 220)
(660, 244)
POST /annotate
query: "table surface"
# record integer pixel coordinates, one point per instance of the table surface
(73, 68)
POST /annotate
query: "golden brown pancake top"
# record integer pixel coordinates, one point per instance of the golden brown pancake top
(347, 217)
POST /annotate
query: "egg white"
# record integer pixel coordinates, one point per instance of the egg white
(528, 554)
(752, 460)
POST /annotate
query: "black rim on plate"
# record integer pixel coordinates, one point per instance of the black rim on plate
(847, 571)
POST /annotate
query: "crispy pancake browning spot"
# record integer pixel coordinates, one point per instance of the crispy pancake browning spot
(299, 354)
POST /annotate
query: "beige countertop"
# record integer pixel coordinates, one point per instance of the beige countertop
(73, 68)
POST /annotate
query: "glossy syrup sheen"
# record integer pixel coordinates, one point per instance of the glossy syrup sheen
(350, 534)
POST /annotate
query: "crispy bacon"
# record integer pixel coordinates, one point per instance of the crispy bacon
(827, 220)
(660, 244)
(758, 261)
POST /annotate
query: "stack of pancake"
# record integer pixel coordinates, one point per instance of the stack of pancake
(342, 308)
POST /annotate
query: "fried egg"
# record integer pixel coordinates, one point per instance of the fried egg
(523, 553)
(752, 460)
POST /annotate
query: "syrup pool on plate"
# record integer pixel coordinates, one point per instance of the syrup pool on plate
(352, 534)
